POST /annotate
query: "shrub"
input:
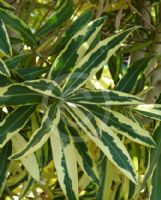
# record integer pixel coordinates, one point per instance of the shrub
(52, 108)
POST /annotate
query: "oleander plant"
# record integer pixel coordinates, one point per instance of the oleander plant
(78, 118)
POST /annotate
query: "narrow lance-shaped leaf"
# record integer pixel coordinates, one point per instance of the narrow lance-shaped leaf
(14, 122)
(107, 174)
(17, 94)
(18, 25)
(103, 97)
(32, 73)
(57, 18)
(76, 25)
(128, 81)
(149, 110)
(5, 152)
(65, 161)
(155, 192)
(41, 135)
(27, 187)
(115, 67)
(140, 84)
(5, 5)
(5, 46)
(106, 140)
(155, 154)
(75, 49)
(29, 162)
(4, 81)
(16, 61)
(15, 181)
(3, 69)
(16, 40)
(83, 155)
(43, 86)
(122, 125)
(42, 153)
(94, 61)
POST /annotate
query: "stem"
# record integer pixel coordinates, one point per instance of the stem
(133, 9)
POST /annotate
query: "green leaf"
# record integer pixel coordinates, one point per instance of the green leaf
(115, 67)
(75, 49)
(17, 180)
(5, 152)
(105, 139)
(19, 26)
(44, 86)
(57, 18)
(107, 173)
(41, 135)
(17, 94)
(16, 40)
(3, 69)
(94, 61)
(152, 111)
(155, 192)
(16, 61)
(14, 122)
(29, 162)
(154, 1)
(65, 161)
(5, 5)
(32, 73)
(103, 97)
(27, 187)
(83, 155)
(128, 81)
(140, 84)
(76, 25)
(4, 81)
(5, 45)
(139, 46)
(155, 156)
(122, 125)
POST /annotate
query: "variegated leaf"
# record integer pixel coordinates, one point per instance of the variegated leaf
(17, 94)
(65, 161)
(57, 18)
(18, 25)
(5, 46)
(75, 49)
(41, 135)
(14, 122)
(103, 97)
(149, 110)
(3, 69)
(94, 61)
(84, 156)
(122, 125)
(75, 26)
(43, 86)
(106, 140)
(29, 162)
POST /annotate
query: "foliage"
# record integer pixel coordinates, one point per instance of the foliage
(75, 121)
